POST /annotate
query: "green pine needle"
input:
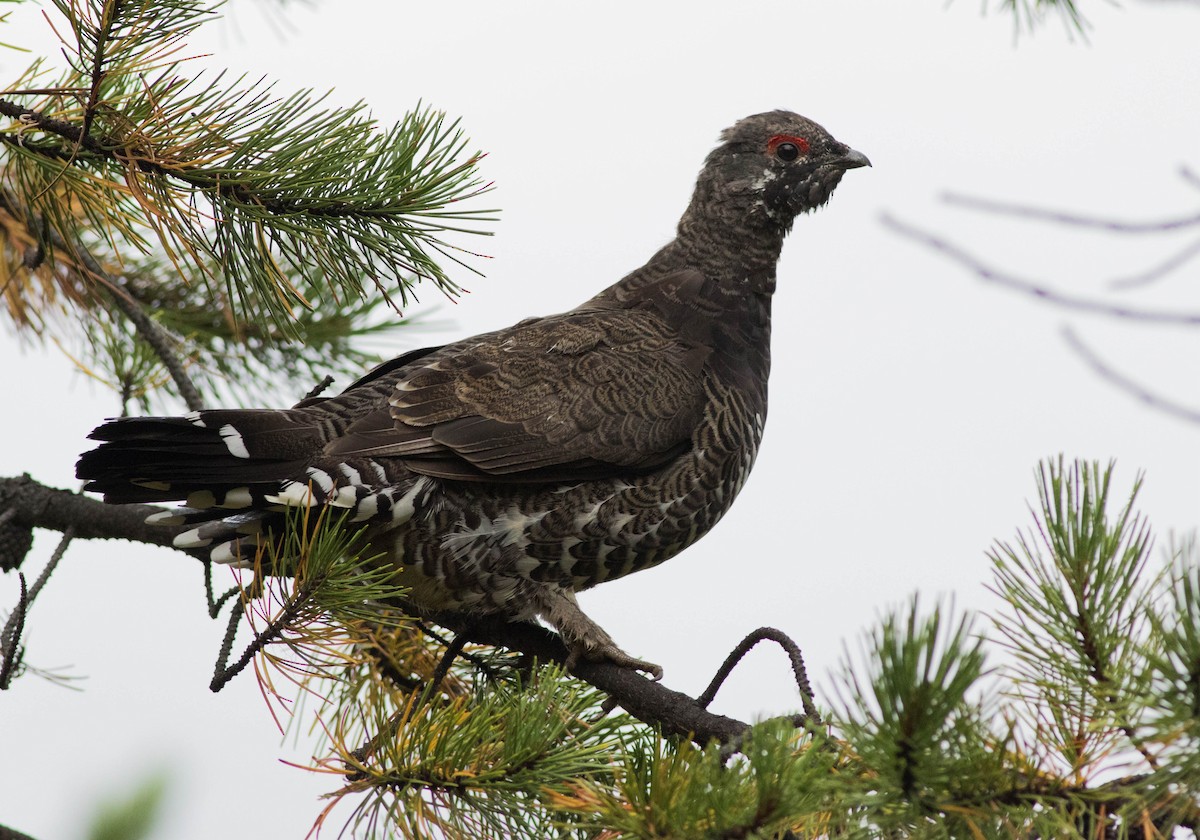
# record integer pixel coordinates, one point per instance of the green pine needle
(247, 193)
(1076, 591)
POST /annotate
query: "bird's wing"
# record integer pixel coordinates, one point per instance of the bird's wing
(589, 393)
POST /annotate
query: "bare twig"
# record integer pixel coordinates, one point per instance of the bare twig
(52, 564)
(1189, 177)
(319, 388)
(989, 274)
(1125, 383)
(799, 672)
(478, 661)
(222, 674)
(273, 632)
(1175, 261)
(10, 637)
(214, 603)
(1026, 211)
(443, 667)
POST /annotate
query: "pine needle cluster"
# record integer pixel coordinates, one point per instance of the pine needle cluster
(1029, 15)
(254, 227)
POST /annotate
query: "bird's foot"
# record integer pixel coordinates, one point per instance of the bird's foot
(611, 653)
(585, 639)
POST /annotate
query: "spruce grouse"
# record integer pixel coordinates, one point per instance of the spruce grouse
(503, 473)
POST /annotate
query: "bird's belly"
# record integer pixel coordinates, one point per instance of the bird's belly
(485, 552)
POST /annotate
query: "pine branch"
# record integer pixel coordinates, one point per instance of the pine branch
(242, 188)
(649, 701)
(1075, 611)
(917, 752)
(1029, 15)
(322, 189)
(164, 345)
(39, 506)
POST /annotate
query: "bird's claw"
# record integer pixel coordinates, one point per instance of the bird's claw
(611, 653)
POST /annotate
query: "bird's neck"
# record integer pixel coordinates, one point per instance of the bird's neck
(737, 262)
(734, 254)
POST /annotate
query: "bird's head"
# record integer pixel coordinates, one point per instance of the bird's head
(772, 167)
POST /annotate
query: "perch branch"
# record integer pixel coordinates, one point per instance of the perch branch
(39, 506)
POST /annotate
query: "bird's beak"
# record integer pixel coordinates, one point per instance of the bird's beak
(851, 160)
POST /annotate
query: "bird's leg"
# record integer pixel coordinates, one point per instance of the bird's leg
(585, 639)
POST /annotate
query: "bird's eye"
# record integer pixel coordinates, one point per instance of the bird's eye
(787, 147)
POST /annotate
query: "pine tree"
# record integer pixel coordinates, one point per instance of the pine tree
(207, 237)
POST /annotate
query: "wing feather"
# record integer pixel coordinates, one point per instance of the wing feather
(599, 391)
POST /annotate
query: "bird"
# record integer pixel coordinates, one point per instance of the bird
(501, 474)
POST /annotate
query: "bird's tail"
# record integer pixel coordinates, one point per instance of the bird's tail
(237, 473)
(228, 467)
(205, 458)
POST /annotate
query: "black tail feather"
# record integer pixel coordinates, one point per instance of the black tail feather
(246, 453)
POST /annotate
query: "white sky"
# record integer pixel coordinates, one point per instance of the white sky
(910, 403)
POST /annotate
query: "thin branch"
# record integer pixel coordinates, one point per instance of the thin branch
(359, 758)
(52, 564)
(478, 661)
(221, 674)
(273, 632)
(39, 506)
(1125, 383)
(162, 342)
(650, 702)
(443, 667)
(319, 388)
(989, 274)
(1189, 177)
(1175, 261)
(152, 333)
(799, 671)
(1026, 211)
(214, 603)
(89, 111)
(10, 637)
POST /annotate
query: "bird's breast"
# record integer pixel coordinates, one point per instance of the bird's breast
(474, 550)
